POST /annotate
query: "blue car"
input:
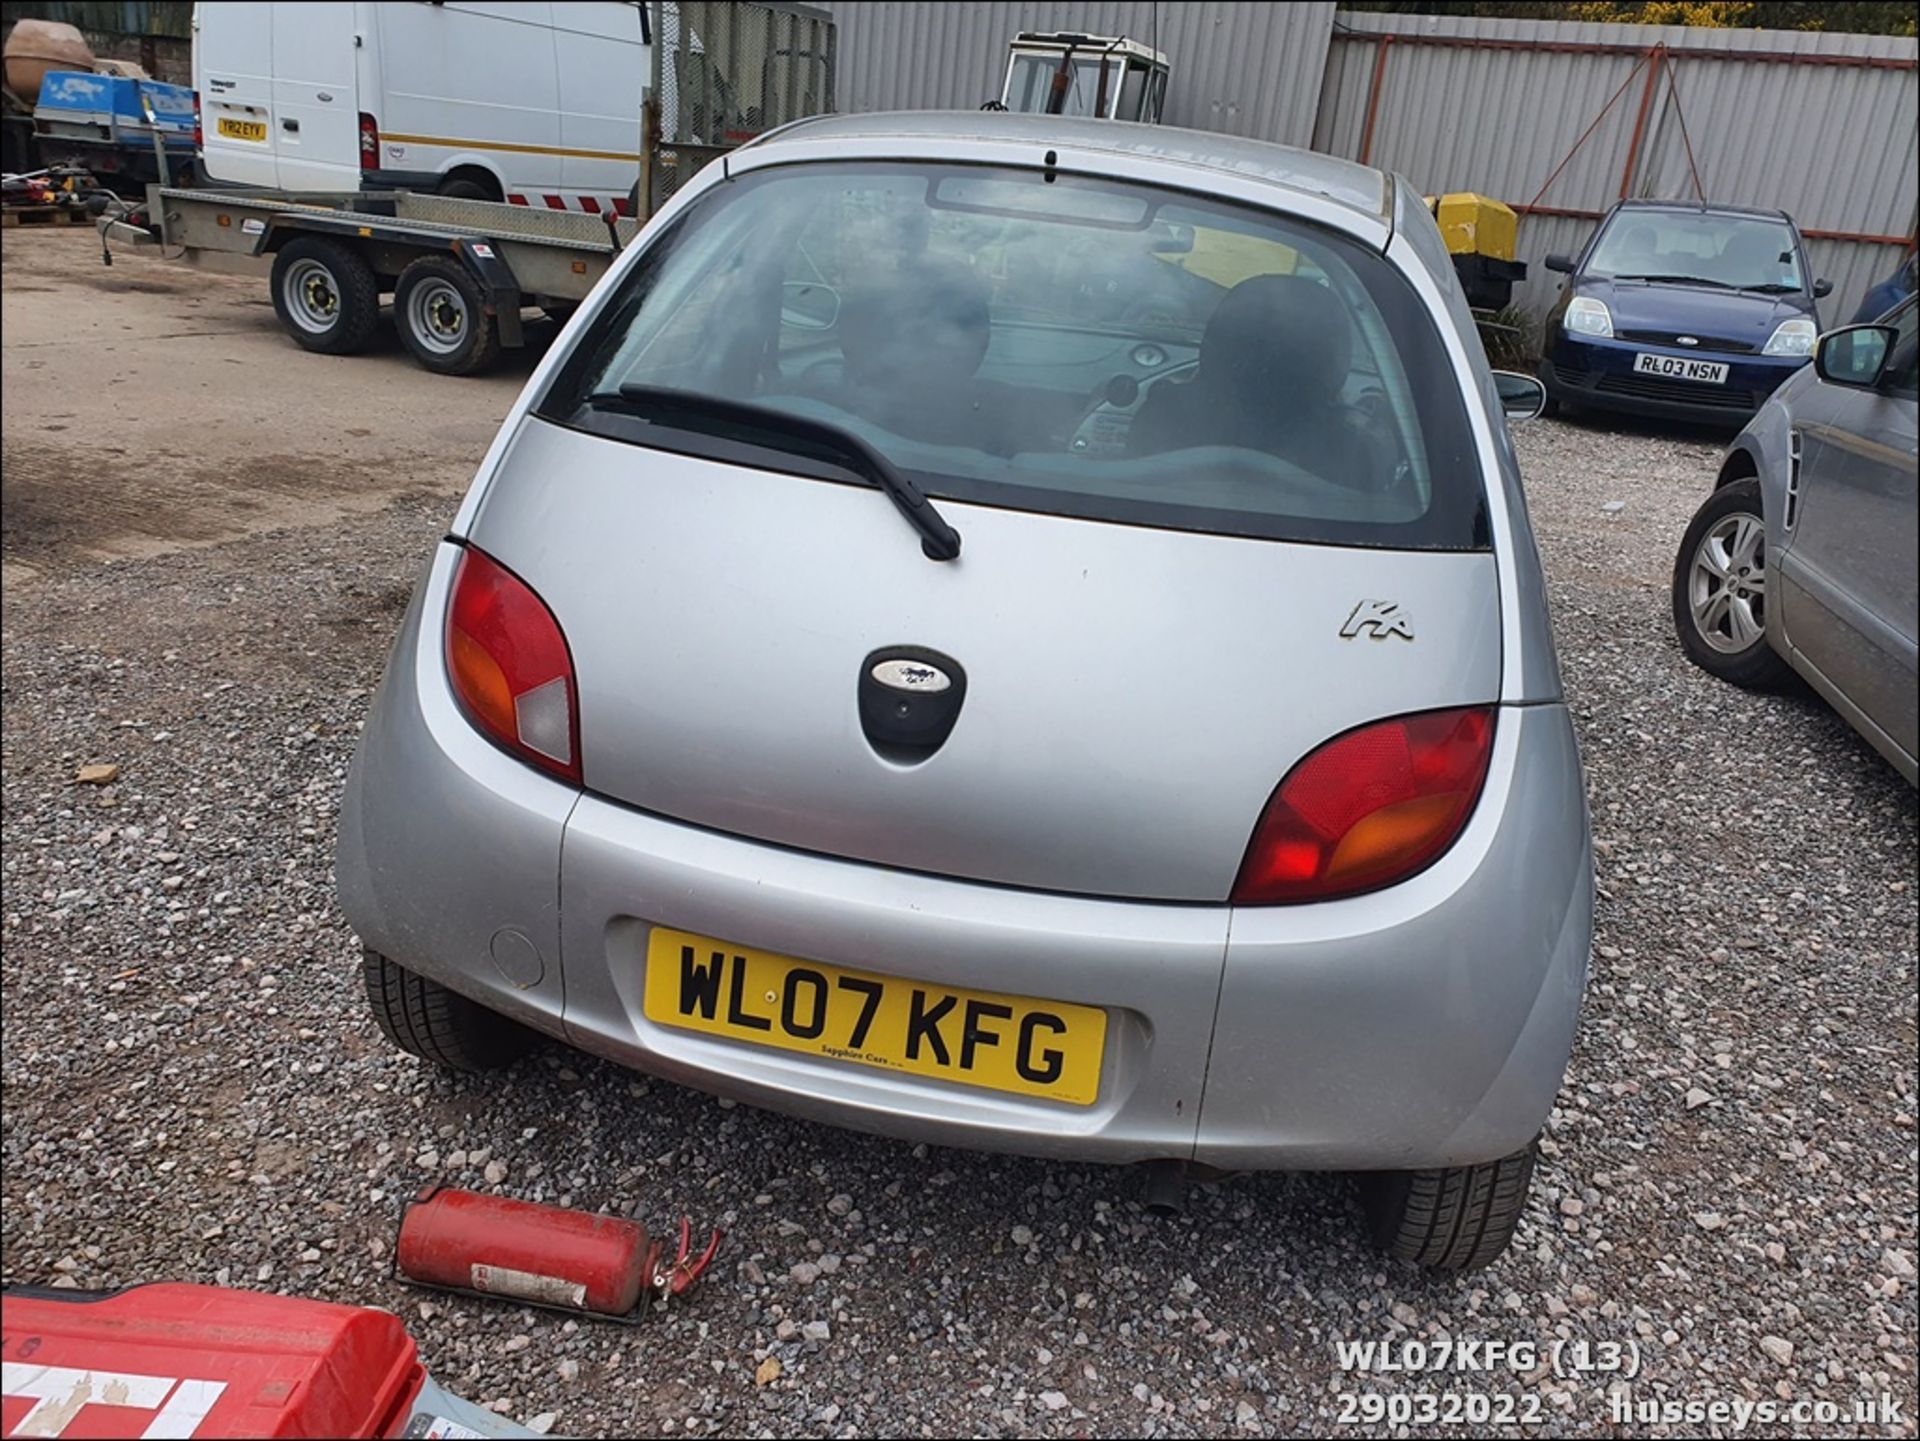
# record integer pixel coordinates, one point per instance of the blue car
(1687, 312)
(1887, 294)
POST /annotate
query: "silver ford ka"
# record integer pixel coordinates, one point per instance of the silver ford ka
(1017, 633)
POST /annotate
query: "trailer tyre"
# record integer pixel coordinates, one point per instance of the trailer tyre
(325, 295)
(443, 318)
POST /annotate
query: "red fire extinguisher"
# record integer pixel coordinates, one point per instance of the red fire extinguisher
(607, 1265)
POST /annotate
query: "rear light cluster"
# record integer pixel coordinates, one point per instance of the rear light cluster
(510, 666)
(369, 142)
(199, 139)
(1368, 808)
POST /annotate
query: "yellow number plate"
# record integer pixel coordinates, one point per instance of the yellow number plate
(977, 1038)
(243, 129)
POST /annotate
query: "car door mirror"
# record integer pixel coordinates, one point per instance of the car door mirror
(1521, 396)
(809, 305)
(1855, 355)
(1561, 263)
(1822, 288)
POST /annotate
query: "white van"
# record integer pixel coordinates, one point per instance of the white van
(533, 103)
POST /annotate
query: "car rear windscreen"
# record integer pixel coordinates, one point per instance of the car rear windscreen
(1076, 346)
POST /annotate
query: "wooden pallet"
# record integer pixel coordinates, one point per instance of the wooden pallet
(14, 215)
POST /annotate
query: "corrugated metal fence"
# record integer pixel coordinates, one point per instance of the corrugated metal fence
(1243, 69)
(1822, 126)
(1825, 127)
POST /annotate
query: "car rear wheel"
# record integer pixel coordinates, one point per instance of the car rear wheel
(443, 318)
(325, 295)
(425, 1019)
(1456, 1218)
(1721, 589)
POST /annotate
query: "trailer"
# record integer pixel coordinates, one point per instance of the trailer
(460, 272)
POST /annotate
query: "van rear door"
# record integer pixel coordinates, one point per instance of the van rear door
(233, 71)
(604, 72)
(316, 124)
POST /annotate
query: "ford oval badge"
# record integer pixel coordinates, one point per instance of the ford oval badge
(916, 677)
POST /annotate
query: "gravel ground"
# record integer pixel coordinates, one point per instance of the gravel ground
(193, 1089)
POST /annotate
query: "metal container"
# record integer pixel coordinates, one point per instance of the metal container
(469, 1242)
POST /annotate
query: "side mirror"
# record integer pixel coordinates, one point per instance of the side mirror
(1522, 397)
(1822, 288)
(808, 305)
(1561, 263)
(1855, 355)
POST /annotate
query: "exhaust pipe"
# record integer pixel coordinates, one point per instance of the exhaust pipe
(1163, 1190)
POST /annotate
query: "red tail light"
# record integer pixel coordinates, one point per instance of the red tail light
(199, 140)
(510, 666)
(369, 142)
(1368, 808)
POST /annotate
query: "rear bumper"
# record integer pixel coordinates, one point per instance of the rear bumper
(1600, 374)
(424, 182)
(1428, 1024)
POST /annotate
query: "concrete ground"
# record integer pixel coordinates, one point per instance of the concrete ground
(152, 406)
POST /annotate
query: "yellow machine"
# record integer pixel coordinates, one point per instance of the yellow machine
(1480, 234)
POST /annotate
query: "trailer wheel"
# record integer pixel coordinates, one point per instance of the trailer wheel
(443, 318)
(325, 295)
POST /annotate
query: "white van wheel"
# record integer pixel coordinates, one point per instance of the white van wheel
(465, 187)
(443, 318)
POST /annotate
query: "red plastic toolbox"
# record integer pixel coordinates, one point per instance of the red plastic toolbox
(180, 1360)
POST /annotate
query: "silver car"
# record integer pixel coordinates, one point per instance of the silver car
(1008, 632)
(1804, 557)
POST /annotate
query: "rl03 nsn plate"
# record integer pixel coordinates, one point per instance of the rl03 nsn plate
(1675, 367)
(1050, 1049)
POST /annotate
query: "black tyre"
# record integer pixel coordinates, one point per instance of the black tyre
(425, 1019)
(442, 317)
(462, 187)
(1459, 1218)
(325, 295)
(1721, 590)
(1558, 406)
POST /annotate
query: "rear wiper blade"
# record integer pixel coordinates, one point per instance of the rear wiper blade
(1679, 280)
(796, 434)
